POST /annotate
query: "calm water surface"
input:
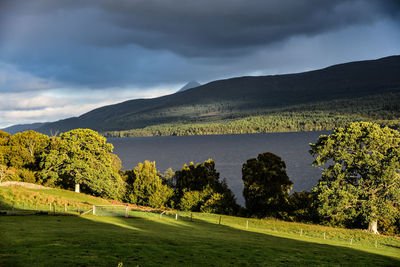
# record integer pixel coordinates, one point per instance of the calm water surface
(228, 151)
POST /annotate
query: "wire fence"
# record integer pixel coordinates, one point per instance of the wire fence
(52, 208)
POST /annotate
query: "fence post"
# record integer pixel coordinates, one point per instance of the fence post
(127, 212)
(176, 216)
(54, 209)
(247, 224)
(94, 210)
(65, 207)
(219, 219)
(324, 236)
(351, 241)
(301, 232)
(50, 207)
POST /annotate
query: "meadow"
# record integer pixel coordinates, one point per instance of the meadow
(148, 239)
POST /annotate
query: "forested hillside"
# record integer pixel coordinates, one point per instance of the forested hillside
(367, 90)
(383, 109)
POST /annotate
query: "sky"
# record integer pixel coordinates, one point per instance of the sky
(63, 58)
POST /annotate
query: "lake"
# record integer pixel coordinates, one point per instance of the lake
(228, 151)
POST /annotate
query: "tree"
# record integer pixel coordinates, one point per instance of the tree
(198, 188)
(196, 177)
(266, 185)
(361, 175)
(145, 186)
(25, 148)
(82, 156)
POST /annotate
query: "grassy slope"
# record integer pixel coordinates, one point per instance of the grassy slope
(25, 199)
(147, 240)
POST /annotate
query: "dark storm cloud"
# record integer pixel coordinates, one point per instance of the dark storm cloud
(204, 28)
(106, 43)
(209, 28)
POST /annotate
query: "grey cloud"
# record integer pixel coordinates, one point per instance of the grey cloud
(102, 44)
(208, 28)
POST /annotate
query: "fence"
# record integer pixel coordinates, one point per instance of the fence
(32, 207)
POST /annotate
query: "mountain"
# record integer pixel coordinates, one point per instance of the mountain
(23, 127)
(243, 96)
(189, 85)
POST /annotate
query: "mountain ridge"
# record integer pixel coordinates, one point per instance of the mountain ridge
(189, 85)
(23, 127)
(244, 94)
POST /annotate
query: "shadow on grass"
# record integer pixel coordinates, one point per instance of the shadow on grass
(137, 241)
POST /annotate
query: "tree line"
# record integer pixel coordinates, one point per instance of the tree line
(83, 157)
(383, 109)
(359, 187)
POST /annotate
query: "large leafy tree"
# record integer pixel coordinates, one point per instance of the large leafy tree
(266, 185)
(145, 186)
(82, 156)
(361, 177)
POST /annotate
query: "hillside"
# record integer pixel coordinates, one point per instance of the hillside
(246, 96)
(23, 127)
(148, 239)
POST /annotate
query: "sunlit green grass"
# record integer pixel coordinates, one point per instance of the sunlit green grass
(106, 241)
(148, 239)
(19, 198)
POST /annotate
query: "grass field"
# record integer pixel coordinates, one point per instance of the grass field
(145, 239)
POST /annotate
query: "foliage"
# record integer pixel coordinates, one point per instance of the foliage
(361, 176)
(198, 187)
(193, 200)
(302, 207)
(195, 177)
(383, 109)
(23, 149)
(83, 157)
(19, 155)
(145, 186)
(4, 137)
(266, 185)
(168, 177)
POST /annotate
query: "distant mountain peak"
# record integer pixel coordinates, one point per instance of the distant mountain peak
(189, 85)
